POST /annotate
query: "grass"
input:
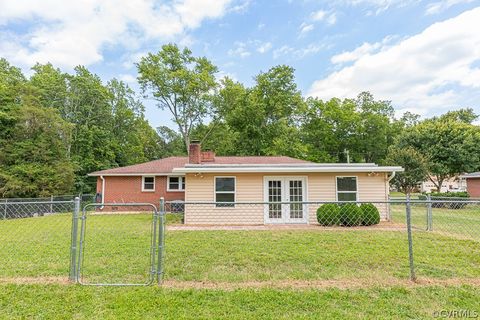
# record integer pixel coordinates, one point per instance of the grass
(67, 302)
(118, 247)
(461, 223)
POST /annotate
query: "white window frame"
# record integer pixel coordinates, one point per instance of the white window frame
(143, 184)
(225, 192)
(356, 187)
(181, 180)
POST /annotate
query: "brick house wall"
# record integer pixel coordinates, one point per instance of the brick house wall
(122, 189)
(473, 187)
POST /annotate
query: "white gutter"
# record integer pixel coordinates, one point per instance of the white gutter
(298, 169)
(392, 176)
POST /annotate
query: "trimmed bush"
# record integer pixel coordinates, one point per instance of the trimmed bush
(350, 215)
(328, 214)
(450, 196)
(370, 214)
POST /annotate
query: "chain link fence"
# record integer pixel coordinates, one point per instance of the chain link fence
(35, 238)
(278, 242)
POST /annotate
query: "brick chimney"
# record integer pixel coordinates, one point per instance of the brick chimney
(208, 156)
(194, 152)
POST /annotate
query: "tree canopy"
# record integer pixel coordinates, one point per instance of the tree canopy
(57, 127)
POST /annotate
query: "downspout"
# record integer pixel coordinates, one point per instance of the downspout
(103, 191)
(392, 176)
(387, 187)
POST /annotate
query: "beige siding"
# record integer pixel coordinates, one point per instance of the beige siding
(250, 188)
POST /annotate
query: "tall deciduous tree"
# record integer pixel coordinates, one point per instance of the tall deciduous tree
(450, 145)
(34, 158)
(263, 119)
(181, 83)
(414, 163)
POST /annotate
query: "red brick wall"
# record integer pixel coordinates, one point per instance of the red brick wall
(473, 187)
(129, 189)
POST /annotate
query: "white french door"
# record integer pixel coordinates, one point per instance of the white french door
(280, 192)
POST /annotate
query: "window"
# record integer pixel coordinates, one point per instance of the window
(148, 183)
(176, 184)
(225, 191)
(346, 189)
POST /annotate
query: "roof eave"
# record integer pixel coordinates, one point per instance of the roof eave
(277, 169)
(131, 174)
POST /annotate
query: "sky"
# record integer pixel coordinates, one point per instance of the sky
(424, 56)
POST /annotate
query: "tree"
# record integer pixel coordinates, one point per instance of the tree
(181, 83)
(264, 119)
(451, 147)
(414, 163)
(35, 160)
(361, 126)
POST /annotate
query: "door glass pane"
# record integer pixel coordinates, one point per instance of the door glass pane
(296, 195)
(274, 195)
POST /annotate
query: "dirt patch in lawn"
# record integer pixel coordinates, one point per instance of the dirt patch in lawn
(277, 284)
(35, 280)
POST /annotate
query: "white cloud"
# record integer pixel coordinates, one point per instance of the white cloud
(437, 68)
(264, 47)
(357, 53)
(328, 17)
(319, 15)
(332, 19)
(379, 6)
(440, 6)
(241, 7)
(282, 51)
(68, 33)
(299, 53)
(128, 78)
(306, 28)
(239, 50)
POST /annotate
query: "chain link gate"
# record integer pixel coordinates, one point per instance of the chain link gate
(117, 244)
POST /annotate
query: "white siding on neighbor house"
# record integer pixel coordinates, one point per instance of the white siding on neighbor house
(250, 188)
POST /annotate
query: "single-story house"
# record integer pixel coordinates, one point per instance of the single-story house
(228, 183)
(473, 183)
(454, 184)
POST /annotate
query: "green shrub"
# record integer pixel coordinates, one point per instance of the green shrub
(350, 215)
(328, 214)
(370, 214)
(449, 196)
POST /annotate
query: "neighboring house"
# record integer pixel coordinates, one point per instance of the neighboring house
(455, 184)
(227, 183)
(473, 184)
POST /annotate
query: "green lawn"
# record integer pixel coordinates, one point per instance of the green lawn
(118, 247)
(75, 302)
(461, 223)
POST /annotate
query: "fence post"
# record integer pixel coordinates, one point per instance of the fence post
(161, 240)
(5, 211)
(73, 247)
(429, 213)
(410, 240)
(51, 204)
